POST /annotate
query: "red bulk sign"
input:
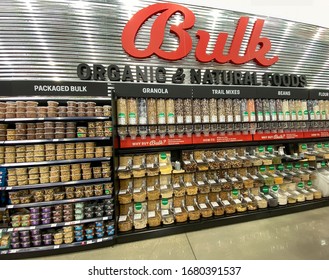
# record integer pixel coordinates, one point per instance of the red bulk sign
(257, 48)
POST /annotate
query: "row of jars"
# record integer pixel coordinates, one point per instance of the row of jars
(31, 109)
(51, 152)
(150, 111)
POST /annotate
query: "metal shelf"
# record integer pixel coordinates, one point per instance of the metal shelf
(53, 162)
(30, 252)
(41, 141)
(53, 225)
(38, 186)
(55, 202)
(58, 119)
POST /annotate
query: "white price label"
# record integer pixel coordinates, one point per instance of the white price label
(229, 118)
(99, 240)
(254, 177)
(89, 242)
(284, 174)
(265, 176)
(164, 212)
(205, 119)
(234, 179)
(213, 119)
(150, 189)
(210, 160)
(10, 206)
(247, 199)
(222, 118)
(243, 158)
(200, 183)
(163, 187)
(121, 168)
(176, 186)
(237, 201)
(253, 157)
(53, 225)
(56, 247)
(199, 161)
(268, 196)
(188, 119)
(211, 181)
(190, 208)
(287, 194)
(151, 214)
(180, 119)
(136, 166)
(223, 180)
(149, 165)
(313, 190)
(187, 162)
(138, 190)
(214, 204)
(296, 192)
(237, 118)
(226, 202)
(203, 206)
(122, 191)
(137, 216)
(178, 210)
(232, 158)
(197, 119)
(162, 164)
(305, 191)
(142, 120)
(122, 218)
(244, 178)
(188, 184)
(258, 198)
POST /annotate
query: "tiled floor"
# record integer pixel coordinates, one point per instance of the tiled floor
(303, 235)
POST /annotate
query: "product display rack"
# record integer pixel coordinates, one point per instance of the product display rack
(44, 141)
(53, 225)
(176, 143)
(56, 202)
(205, 223)
(59, 249)
(91, 181)
(99, 141)
(54, 162)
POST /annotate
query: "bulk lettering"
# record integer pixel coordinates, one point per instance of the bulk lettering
(257, 49)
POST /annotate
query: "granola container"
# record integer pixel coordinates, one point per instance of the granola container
(193, 212)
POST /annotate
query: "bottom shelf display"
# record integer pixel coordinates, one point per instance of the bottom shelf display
(164, 214)
(215, 221)
(55, 247)
(62, 236)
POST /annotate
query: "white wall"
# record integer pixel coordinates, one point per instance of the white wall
(307, 11)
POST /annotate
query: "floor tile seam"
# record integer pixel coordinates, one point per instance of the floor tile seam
(189, 242)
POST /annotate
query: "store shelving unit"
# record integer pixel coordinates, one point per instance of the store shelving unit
(176, 143)
(108, 238)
